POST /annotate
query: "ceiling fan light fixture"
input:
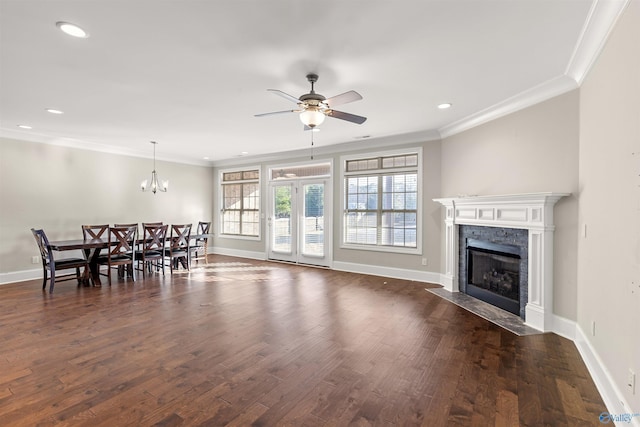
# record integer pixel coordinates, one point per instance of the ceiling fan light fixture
(312, 117)
(72, 29)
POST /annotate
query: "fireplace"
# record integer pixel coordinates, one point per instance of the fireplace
(533, 214)
(493, 266)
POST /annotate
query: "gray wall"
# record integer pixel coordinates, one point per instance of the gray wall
(609, 255)
(59, 189)
(529, 151)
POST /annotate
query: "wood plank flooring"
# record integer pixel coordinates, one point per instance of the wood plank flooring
(245, 342)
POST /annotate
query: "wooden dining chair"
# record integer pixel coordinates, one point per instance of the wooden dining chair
(95, 231)
(121, 268)
(152, 248)
(178, 249)
(50, 265)
(121, 250)
(199, 249)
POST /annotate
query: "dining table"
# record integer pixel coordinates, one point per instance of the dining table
(92, 249)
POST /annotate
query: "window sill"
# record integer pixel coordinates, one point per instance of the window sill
(387, 249)
(239, 237)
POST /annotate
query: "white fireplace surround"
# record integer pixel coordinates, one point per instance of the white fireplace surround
(532, 212)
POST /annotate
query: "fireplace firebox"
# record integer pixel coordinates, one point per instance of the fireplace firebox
(493, 274)
(493, 266)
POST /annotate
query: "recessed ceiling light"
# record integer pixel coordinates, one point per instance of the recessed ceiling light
(72, 29)
(205, 158)
(244, 153)
(25, 127)
(54, 111)
(445, 106)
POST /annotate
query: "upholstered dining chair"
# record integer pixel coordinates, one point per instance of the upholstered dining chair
(121, 251)
(151, 250)
(50, 265)
(199, 249)
(178, 249)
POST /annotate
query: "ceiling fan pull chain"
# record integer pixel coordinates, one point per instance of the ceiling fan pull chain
(312, 145)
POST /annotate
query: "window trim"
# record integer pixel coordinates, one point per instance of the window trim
(419, 207)
(221, 173)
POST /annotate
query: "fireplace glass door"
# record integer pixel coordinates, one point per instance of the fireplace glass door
(494, 274)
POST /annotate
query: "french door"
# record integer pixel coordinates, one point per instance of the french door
(299, 221)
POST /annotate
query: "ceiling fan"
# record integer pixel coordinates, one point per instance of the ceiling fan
(313, 107)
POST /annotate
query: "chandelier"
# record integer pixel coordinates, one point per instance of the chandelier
(154, 185)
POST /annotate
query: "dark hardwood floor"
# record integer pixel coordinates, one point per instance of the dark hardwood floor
(245, 342)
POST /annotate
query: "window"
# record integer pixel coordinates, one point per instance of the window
(241, 203)
(382, 202)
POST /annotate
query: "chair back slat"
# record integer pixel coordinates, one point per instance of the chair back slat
(203, 227)
(94, 231)
(122, 240)
(180, 234)
(154, 237)
(144, 224)
(43, 244)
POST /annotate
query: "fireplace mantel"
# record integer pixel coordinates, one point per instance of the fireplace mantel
(532, 212)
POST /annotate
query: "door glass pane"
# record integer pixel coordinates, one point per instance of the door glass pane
(313, 220)
(282, 219)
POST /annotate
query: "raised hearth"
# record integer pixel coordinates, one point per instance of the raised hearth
(531, 212)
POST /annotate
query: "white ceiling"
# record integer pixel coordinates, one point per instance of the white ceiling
(191, 74)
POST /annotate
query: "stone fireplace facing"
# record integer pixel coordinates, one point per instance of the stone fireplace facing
(500, 249)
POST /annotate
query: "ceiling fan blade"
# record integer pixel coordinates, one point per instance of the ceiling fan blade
(343, 98)
(275, 112)
(347, 116)
(284, 95)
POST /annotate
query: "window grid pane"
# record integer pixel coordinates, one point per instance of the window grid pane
(241, 203)
(381, 209)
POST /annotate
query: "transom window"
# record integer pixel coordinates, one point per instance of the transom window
(241, 203)
(382, 201)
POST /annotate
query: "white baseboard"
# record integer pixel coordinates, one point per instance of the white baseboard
(20, 276)
(396, 273)
(564, 327)
(613, 398)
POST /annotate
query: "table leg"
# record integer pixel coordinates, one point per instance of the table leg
(94, 267)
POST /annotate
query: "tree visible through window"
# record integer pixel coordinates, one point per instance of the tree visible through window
(241, 203)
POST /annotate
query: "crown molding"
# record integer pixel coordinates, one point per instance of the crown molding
(600, 21)
(542, 92)
(92, 146)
